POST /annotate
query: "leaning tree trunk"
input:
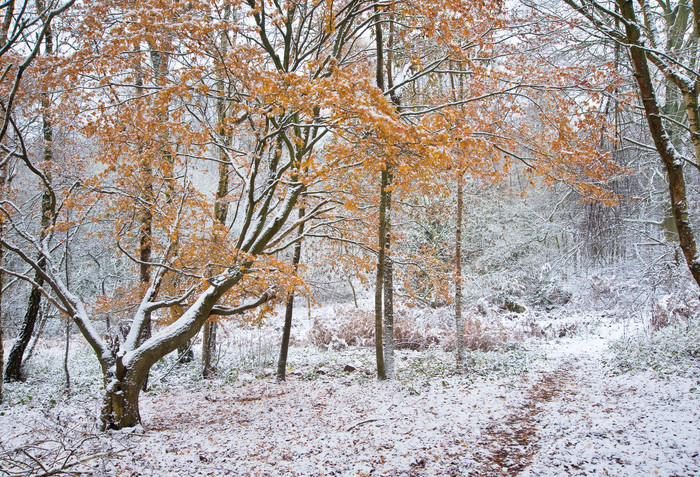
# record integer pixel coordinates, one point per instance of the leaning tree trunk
(125, 369)
(13, 371)
(670, 158)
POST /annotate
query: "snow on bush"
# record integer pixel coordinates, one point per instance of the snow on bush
(674, 349)
(417, 329)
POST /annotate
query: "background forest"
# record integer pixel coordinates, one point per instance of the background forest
(180, 180)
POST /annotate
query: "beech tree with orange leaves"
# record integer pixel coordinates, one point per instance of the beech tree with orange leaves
(206, 125)
(486, 106)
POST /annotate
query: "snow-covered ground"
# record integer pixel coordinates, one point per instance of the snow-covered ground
(590, 404)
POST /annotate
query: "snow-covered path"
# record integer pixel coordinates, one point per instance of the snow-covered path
(569, 414)
(605, 423)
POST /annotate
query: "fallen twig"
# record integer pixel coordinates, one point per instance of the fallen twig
(361, 423)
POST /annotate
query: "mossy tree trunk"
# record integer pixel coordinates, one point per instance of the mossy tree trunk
(13, 370)
(670, 157)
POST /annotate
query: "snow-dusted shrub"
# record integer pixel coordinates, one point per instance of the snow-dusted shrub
(350, 327)
(483, 336)
(355, 327)
(551, 296)
(674, 349)
(532, 328)
(674, 308)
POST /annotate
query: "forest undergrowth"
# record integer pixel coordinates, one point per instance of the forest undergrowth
(332, 417)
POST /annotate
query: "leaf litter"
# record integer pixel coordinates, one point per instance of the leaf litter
(563, 407)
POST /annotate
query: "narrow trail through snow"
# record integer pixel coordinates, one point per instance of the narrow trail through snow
(509, 445)
(571, 414)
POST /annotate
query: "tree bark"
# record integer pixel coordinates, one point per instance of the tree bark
(220, 206)
(670, 158)
(289, 308)
(4, 30)
(66, 370)
(208, 349)
(389, 343)
(3, 176)
(381, 248)
(120, 404)
(459, 323)
(379, 283)
(185, 353)
(145, 231)
(13, 371)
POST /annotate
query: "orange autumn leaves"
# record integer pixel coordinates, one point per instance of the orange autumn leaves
(142, 80)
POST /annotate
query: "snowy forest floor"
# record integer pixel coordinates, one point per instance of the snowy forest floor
(601, 402)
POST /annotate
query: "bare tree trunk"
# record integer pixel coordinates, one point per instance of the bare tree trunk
(289, 309)
(120, 404)
(146, 217)
(354, 293)
(185, 353)
(4, 170)
(145, 248)
(13, 371)
(389, 343)
(43, 318)
(208, 349)
(220, 206)
(459, 324)
(66, 371)
(671, 160)
(379, 283)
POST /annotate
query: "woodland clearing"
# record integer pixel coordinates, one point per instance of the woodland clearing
(609, 399)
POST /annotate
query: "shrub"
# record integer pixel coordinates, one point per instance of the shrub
(354, 327)
(672, 309)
